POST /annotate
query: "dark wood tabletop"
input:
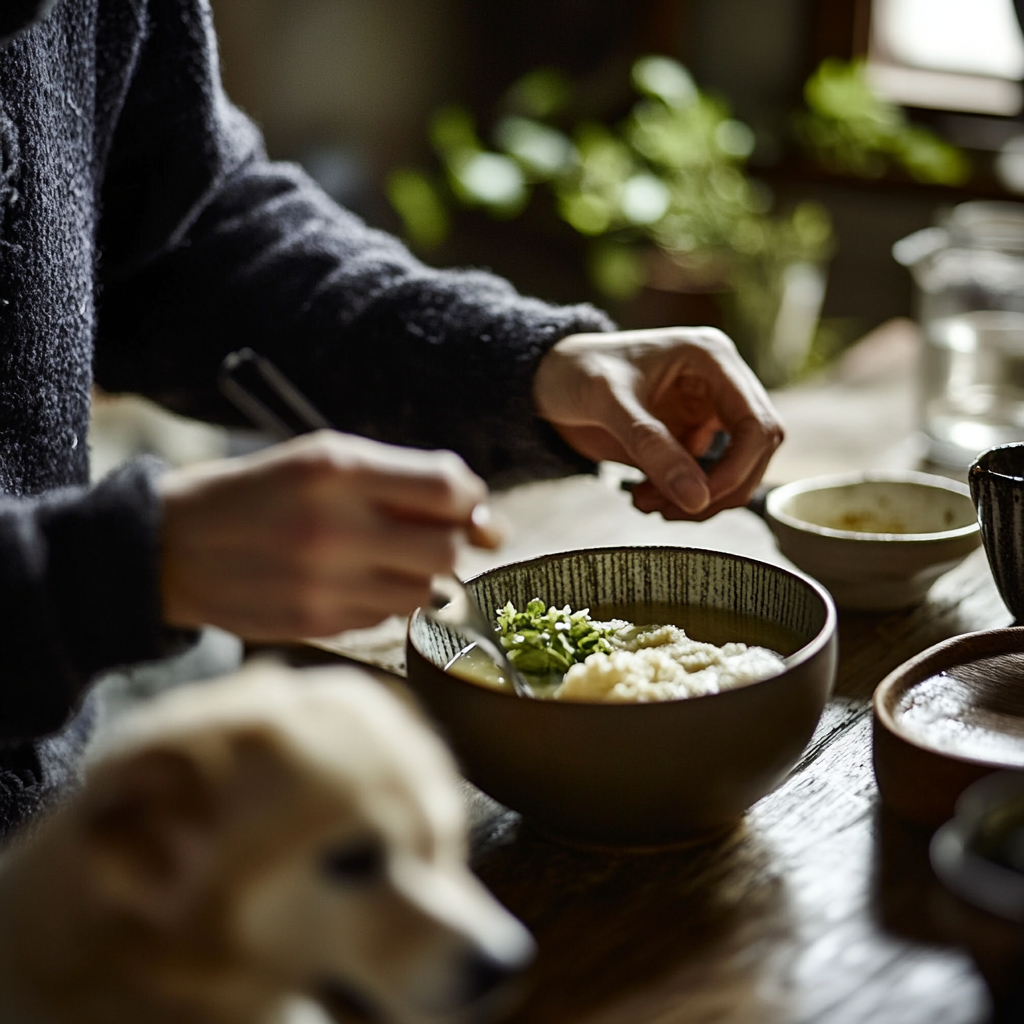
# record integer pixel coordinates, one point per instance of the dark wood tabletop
(820, 906)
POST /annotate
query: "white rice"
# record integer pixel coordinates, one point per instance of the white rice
(654, 663)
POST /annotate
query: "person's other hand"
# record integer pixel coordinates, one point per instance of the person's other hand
(319, 534)
(655, 399)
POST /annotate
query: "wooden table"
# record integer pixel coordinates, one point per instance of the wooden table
(820, 906)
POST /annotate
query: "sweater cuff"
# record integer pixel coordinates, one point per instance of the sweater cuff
(535, 450)
(103, 572)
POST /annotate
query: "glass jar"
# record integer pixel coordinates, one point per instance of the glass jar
(969, 277)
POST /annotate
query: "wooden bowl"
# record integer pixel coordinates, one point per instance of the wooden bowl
(947, 717)
(877, 541)
(635, 774)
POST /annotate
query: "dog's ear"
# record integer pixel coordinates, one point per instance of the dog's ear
(148, 833)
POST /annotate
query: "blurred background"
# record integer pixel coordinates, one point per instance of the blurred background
(826, 131)
(748, 164)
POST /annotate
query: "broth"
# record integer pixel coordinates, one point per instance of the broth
(716, 626)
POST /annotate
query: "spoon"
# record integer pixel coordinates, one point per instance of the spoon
(452, 605)
(260, 391)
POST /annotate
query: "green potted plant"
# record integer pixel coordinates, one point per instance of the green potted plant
(663, 198)
(847, 128)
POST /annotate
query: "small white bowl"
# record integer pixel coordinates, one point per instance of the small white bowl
(877, 541)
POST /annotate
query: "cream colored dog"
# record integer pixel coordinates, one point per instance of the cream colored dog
(273, 834)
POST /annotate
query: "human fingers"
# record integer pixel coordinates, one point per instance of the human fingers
(435, 486)
(324, 605)
(745, 494)
(304, 526)
(655, 398)
(745, 411)
(281, 598)
(385, 543)
(652, 501)
(735, 477)
(651, 446)
(335, 470)
(486, 528)
(647, 498)
(708, 388)
(428, 487)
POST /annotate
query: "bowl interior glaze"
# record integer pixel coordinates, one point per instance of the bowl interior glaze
(897, 507)
(877, 541)
(635, 774)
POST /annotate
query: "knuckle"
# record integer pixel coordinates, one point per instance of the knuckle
(323, 455)
(449, 462)
(773, 433)
(715, 340)
(443, 490)
(451, 483)
(319, 440)
(452, 470)
(643, 436)
(764, 429)
(312, 468)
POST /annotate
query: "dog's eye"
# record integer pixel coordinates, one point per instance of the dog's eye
(359, 862)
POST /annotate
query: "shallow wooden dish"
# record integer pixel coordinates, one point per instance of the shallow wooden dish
(946, 718)
(635, 774)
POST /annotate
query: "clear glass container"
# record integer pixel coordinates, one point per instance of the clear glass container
(969, 277)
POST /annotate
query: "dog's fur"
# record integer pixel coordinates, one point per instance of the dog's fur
(237, 842)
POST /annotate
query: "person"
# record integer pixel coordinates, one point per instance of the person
(144, 234)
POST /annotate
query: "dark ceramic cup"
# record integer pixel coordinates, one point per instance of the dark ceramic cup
(997, 486)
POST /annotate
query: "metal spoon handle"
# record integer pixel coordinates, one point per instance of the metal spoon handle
(264, 394)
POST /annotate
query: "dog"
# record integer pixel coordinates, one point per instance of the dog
(238, 845)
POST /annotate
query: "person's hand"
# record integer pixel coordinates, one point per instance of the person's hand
(655, 399)
(323, 533)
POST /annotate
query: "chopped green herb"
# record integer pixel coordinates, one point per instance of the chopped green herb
(543, 641)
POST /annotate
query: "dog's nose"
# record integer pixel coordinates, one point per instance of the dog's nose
(483, 973)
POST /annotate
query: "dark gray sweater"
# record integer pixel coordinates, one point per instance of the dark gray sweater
(143, 235)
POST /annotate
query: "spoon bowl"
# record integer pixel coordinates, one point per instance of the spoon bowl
(452, 605)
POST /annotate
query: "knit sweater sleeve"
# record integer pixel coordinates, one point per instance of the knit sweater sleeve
(79, 593)
(208, 246)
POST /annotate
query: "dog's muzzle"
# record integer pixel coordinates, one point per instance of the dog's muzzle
(344, 1003)
(485, 986)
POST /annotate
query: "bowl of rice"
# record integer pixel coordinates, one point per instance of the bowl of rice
(673, 687)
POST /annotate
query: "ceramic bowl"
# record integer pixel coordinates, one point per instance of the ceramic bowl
(877, 541)
(945, 719)
(636, 774)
